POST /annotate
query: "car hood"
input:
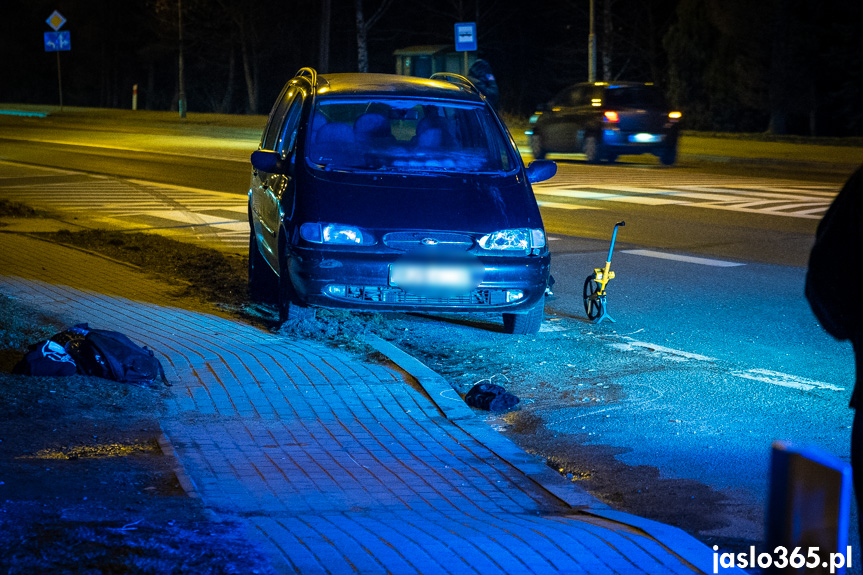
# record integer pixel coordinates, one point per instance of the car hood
(440, 202)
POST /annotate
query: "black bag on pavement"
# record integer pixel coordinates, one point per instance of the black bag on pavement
(46, 358)
(111, 355)
(490, 397)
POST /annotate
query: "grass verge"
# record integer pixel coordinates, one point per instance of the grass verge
(84, 485)
(210, 274)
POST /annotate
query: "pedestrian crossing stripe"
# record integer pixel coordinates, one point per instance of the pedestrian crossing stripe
(142, 204)
(798, 201)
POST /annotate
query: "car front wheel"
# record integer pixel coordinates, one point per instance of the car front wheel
(537, 149)
(668, 157)
(290, 310)
(592, 150)
(263, 283)
(524, 323)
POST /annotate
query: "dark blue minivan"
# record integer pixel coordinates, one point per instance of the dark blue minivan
(394, 193)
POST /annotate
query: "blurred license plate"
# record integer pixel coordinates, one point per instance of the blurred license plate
(430, 275)
(644, 138)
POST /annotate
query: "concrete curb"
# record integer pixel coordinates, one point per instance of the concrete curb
(456, 410)
(187, 484)
(777, 162)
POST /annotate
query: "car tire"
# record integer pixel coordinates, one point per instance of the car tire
(290, 310)
(536, 148)
(592, 150)
(525, 323)
(263, 282)
(668, 157)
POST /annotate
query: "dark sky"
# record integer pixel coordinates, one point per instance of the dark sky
(730, 64)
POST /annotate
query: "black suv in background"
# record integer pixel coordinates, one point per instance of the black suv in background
(391, 193)
(604, 120)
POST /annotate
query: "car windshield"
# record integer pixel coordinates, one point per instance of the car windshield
(405, 135)
(634, 97)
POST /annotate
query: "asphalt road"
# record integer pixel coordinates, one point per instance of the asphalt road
(715, 345)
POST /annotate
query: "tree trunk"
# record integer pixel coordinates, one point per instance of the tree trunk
(225, 107)
(149, 99)
(780, 62)
(607, 40)
(362, 34)
(248, 70)
(324, 47)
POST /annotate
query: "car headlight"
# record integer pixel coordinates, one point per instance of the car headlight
(338, 234)
(520, 239)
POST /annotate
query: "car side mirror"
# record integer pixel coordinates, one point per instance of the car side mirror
(540, 171)
(269, 162)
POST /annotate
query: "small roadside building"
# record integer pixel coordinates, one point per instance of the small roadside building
(423, 61)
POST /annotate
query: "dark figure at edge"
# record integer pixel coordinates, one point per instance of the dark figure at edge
(834, 288)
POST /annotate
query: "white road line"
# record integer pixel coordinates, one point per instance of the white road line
(159, 185)
(785, 380)
(591, 195)
(764, 192)
(213, 155)
(807, 214)
(561, 206)
(682, 258)
(195, 218)
(799, 202)
(630, 344)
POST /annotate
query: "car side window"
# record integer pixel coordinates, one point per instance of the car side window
(576, 97)
(561, 98)
(288, 135)
(277, 120)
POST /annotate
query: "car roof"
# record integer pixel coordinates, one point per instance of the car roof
(392, 85)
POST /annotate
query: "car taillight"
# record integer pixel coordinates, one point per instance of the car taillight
(611, 116)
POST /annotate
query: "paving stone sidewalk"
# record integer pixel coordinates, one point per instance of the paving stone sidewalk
(334, 464)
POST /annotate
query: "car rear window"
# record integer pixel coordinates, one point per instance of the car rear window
(634, 97)
(406, 135)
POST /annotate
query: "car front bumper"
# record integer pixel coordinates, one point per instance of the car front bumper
(361, 281)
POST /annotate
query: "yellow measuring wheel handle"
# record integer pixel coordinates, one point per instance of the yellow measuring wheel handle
(603, 276)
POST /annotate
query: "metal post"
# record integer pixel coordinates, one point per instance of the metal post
(591, 49)
(181, 99)
(59, 81)
(465, 63)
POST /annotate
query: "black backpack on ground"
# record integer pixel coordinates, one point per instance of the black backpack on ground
(111, 355)
(46, 358)
(490, 397)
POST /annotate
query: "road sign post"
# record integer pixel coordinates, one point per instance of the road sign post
(57, 42)
(465, 40)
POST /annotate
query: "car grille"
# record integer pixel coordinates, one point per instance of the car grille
(406, 241)
(392, 295)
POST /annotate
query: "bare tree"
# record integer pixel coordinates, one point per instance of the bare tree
(363, 27)
(607, 41)
(324, 46)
